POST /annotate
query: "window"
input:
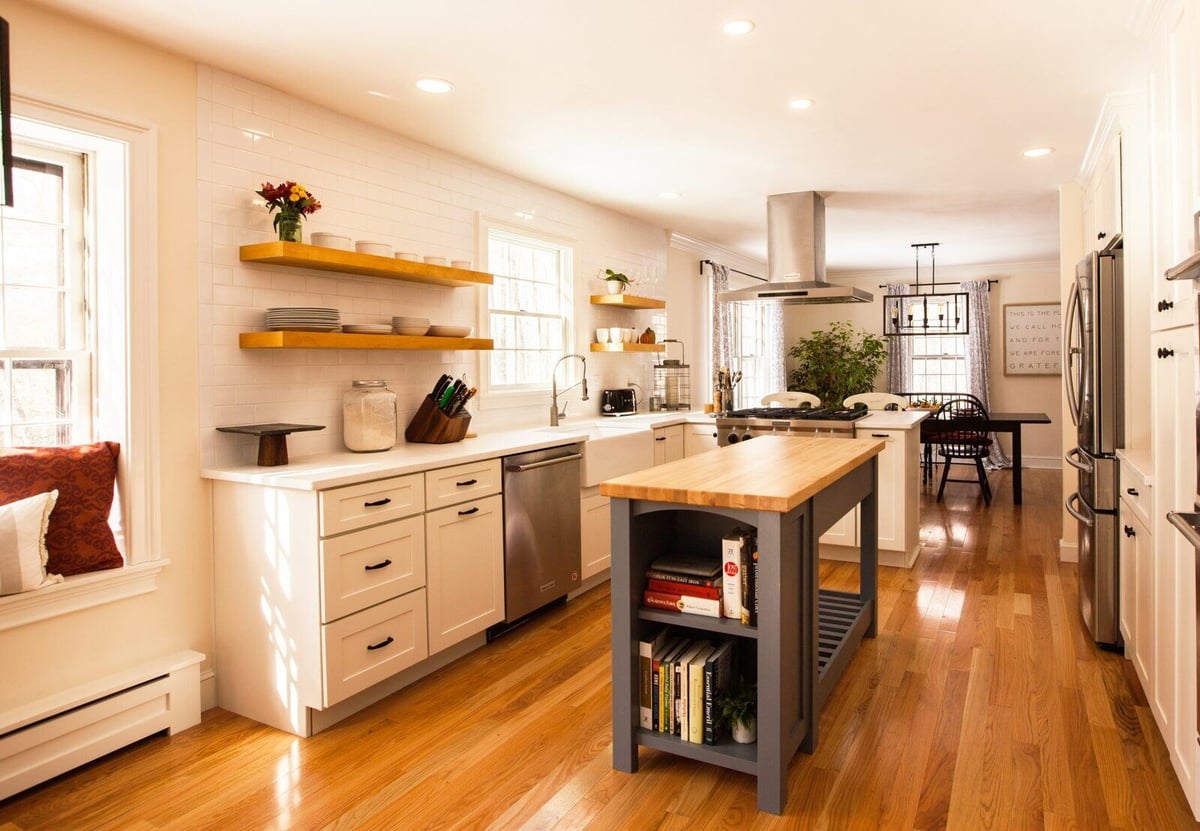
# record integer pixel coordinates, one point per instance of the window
(45, 349)
(939, 363)
(752, 345)
(529, 312)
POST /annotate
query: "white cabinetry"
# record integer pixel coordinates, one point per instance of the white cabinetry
(668, 444)
(596, 527)
(464, 552)
(1137, 597)
(698, 438)
(1102, 199)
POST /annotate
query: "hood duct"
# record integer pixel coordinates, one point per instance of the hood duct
(796, 256)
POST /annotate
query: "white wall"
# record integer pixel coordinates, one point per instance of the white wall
(373, 185)
(1017, 283)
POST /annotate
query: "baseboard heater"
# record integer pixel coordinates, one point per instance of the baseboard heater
(50, 736)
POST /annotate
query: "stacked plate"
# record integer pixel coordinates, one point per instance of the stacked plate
(367, 328)
(304, 319)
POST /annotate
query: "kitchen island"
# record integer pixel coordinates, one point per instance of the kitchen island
(790, 490)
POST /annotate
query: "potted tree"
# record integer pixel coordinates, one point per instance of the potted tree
(739, 708)
(617, 282)
(836, 362)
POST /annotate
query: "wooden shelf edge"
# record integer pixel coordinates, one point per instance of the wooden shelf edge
(299, 255)
(629, 301)
(341, 340)
(628, 347)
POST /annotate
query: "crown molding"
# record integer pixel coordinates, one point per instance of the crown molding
(712, 251)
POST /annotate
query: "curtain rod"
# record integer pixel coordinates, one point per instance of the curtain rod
(736, 270)
(947, 283)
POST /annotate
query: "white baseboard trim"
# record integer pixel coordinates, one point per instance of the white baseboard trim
(850, 554)
(1068, 552)
(1040, 462)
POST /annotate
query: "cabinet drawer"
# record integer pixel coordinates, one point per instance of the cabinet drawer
(357, 506)
(451, 485)
(1136, 492)
(365, 648)
(366, 567)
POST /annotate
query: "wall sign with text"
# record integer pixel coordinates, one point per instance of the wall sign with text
(1033, 339)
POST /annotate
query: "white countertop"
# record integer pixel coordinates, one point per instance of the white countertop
(893, 419)
(331, 470)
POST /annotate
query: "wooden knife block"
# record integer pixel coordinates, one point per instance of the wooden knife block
(431, 426)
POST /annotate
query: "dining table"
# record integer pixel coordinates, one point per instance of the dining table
(996, 423)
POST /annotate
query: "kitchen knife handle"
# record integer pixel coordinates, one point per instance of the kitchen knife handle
(384, 564)
(469, 511)
(381, 644)
(377, 502)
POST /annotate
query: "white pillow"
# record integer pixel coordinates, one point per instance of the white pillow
(23, 554)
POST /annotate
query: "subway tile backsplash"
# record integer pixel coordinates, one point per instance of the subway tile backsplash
(373, 185)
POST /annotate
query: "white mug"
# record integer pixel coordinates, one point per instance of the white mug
(601, 336)
(615, 334)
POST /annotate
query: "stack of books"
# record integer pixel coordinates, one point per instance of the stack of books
(686, 585)
(682, 680)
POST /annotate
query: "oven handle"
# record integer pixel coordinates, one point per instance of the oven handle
(1189, 533)
(1075, 459)
(1086, 520)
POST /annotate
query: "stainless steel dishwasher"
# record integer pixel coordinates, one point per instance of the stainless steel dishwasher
(541, 530)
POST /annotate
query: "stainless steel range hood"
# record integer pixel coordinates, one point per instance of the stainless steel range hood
(796, 256)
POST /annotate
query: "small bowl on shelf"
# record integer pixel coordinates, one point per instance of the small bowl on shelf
(379, 249)
(416, 331)
(337, 241)
(435, 260)
(408, 255)
(449, 331)
(463, 264)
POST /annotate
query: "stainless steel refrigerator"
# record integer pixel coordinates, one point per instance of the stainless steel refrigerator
(1094, 385)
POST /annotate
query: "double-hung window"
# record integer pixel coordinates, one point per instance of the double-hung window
(529, 313)
(939, 363)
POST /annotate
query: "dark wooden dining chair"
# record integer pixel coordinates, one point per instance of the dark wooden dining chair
(964, 435)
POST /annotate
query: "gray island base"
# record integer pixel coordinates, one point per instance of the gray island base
(791, 490)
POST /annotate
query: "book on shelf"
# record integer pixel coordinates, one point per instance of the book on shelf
(686, 603)
(666, 694)
(680, 577)
(695, 699)
(675, 587)
(718, 676)
(733, 560)
(656, 679)
(646, 649)
(749, 587)
(683, 564)
(682, 686)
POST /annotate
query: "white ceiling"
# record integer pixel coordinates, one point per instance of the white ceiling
(922, 107)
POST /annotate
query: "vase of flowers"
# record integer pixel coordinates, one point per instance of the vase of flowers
(293, 202)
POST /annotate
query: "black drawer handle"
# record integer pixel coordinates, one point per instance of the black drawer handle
(469, 511)
(1101, 235)
(660, 438)
(466, 483)
(1165, 353)
(377, 502)
(1164, 305)
(381, 644)
(384, 564)
(714, 435)
(1131, 491)
(880, 435)
(1129, 531)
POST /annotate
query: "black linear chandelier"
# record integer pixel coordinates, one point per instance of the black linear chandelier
(925, 310)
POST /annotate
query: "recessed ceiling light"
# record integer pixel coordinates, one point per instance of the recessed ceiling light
(669, 194)
(800, 103)
(738, 27)
(378, 94)
(437, 86)
(1035, 152)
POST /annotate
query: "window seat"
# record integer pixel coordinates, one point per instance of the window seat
(80, 591)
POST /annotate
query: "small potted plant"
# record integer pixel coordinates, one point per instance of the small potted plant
(617, 282)
(738, 708)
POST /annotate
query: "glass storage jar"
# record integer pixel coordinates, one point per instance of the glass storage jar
(369, 417)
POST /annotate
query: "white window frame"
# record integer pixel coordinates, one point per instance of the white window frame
(960, 357)
(529, 394)
(125, 250)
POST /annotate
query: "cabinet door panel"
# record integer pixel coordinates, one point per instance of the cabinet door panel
(464, 547)
(596, 528)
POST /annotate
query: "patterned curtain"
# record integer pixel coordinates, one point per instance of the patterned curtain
(722, 319)
(979, 352)
(773, 351)
(899, 358)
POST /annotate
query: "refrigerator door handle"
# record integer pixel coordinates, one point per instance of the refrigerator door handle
(1073, 354)
(1073, 511)
(1077, 460)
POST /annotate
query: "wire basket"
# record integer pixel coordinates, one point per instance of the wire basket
(672, 381)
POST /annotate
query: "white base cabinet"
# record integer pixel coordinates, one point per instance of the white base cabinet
(465, 557)
(698, 438)
(668, 444)
(596, 527)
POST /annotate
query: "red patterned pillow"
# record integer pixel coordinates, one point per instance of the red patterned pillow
(79, 538)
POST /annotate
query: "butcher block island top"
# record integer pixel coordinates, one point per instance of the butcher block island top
(770, 473)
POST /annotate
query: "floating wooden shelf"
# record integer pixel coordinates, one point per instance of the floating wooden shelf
(341, 340)
(299, 255)
(628, 301)
(628, 347)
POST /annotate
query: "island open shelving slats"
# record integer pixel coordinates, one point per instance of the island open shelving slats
(805, 637)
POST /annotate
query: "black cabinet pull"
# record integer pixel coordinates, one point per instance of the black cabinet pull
(468, 482)
(469, 511)
(377, 502)
(660, 438)
(714, 435)
(384, 564)
(1164, 305)
(1165, 353)
(1129, 531)
(381, 644)
(1131, 491)
(1101, 235)
(879, 435)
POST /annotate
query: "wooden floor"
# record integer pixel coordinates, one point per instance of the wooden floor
(981, 704)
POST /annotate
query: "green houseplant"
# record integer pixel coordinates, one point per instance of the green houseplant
(836, 362)
(739, 708)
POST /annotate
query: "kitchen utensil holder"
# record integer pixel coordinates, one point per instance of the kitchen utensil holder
(432, 426)
(672, 380)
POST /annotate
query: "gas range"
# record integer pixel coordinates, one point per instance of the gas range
(831, 422)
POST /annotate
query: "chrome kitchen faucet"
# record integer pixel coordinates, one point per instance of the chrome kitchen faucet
(555, 415)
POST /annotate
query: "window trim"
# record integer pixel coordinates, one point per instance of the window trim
(490, 397)
(137, 412)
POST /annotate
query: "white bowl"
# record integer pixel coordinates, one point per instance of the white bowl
(410, 330)
(332, 241)
(436, 260)
(449, 331)
(464, 264)
(381, 249)
(402, 320)
(408, 255)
